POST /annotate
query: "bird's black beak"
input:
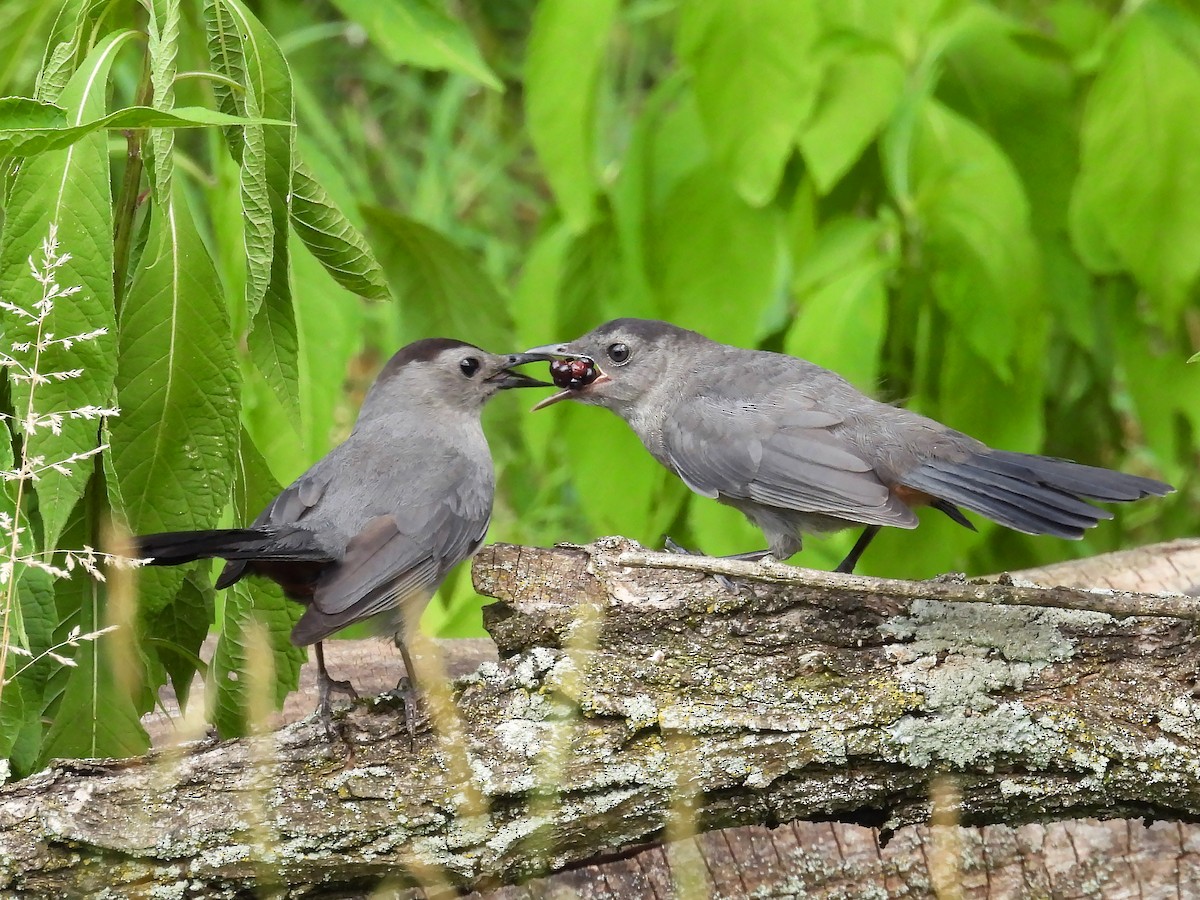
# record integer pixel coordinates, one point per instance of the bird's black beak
(506, 378)
(558, 352)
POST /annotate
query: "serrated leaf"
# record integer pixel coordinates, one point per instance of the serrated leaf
(226, 57)
(174, 444)
(562, 68)
(33, 140)
(70, 188)
(163, 47)
(66, 38)
(756, 78)
(715, 260)
(1140, 162)
(275, 350)
(332, 238)
(420, 33)
(441, 290)
(243, 50)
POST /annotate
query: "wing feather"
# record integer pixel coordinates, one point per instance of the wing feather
(786, 455)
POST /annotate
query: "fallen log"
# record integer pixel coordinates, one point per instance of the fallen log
(633, 702)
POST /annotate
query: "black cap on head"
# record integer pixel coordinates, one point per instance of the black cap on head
(423, 350)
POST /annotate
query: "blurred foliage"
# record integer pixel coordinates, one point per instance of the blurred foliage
(982, 210)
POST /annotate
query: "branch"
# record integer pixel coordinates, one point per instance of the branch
(632, 702)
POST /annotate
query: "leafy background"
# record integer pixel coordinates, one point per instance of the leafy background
(985, 210)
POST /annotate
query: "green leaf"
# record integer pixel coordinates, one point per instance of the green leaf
(332, 238)
(32, 140)
(716, 261)
(860, 93)
(173, 446)
(979, 251)
(1163, 391)
(69, 188)
(176, 633)
(20, 113)
(420, 33)
(841, 290)
(331, 332)
(1140, 166)
(1027, 103)
(1195, 357)
(13, 714)
(442, 291)
(94, 718)
(163, 47)
(756, 78)
(71, 28)
(243, 50)
(275, 349)
(562, 69)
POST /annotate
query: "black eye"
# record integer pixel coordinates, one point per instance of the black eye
(469, 366)
(618, 352)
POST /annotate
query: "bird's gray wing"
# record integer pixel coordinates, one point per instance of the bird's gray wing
(396, 558)
(296, 499)
(785, 454)
(288, 507)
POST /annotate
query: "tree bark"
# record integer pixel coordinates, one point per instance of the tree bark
(637, 698)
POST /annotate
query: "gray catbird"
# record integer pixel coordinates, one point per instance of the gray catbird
(796, 448)
(379, 521)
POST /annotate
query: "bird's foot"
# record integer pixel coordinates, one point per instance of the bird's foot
(326, 688)
(671, 546)
(407, 695)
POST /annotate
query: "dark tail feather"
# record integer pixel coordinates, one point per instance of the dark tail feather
(954, 513)
(1034, 494)
(171, 548)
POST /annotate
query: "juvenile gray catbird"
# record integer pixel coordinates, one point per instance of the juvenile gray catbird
(797, 449)
(378, 522)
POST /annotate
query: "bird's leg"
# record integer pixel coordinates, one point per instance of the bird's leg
(406, 691)
(327, 686)
(846, 566)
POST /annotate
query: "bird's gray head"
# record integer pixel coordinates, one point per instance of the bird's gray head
(445, 373)
(617, 363)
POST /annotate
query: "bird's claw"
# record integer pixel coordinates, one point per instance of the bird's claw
(671, 546)
(407, 695)
(326, 688)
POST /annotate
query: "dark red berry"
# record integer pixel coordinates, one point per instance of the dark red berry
(573, 373)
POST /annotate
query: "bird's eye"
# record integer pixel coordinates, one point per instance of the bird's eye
(618, 352)
(469, 366)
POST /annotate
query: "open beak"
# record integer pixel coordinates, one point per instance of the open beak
(560, 351)
(506, 378)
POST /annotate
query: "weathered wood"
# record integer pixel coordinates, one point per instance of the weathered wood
(624, 689)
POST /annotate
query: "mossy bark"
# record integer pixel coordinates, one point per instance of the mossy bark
(632, 702)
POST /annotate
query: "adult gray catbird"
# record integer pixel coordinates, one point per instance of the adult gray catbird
(796, 448)
(379, 521)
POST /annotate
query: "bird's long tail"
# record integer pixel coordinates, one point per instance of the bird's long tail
(1033, 494)
(283, 544)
